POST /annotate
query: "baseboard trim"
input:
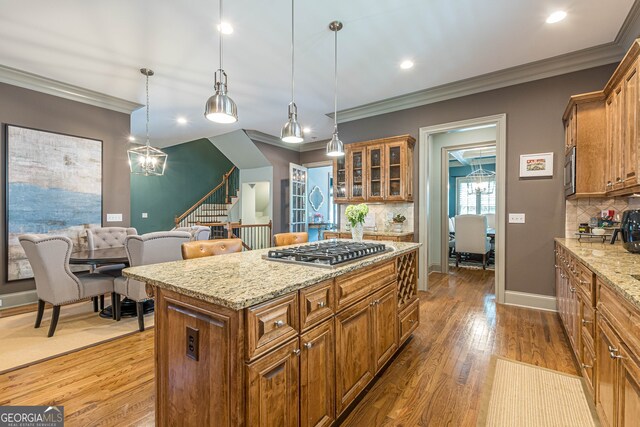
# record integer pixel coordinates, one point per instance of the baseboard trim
(434, 268)
(527, 300)
(18, 298)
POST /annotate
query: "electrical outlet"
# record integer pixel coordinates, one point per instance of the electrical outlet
(516, 218)
(114, 217)
(192, 343)
(145, 215)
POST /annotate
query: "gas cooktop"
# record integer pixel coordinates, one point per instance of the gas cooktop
(327, 254)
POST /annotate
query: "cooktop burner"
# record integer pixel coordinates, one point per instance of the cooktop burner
(328, 253)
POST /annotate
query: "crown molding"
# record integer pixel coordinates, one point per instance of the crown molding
(562, 64)
(256, 135)
(41, 84)
(630, 29)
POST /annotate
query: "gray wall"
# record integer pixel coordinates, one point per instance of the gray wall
(534, 124)
(23, 107)
(279, 159)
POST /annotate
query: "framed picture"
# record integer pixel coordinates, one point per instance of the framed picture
(536, 165)
(53, 186)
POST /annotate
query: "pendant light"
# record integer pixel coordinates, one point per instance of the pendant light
(145, 159)
(335, 148)
(292, 131)
(220, 108)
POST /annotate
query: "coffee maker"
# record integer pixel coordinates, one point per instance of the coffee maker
(629, 231)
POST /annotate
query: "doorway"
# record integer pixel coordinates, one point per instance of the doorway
(433, 209)
(322, 211)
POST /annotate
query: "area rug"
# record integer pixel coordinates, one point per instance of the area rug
(519, 394)
(78, 327)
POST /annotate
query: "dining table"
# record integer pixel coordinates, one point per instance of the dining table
(110, 256)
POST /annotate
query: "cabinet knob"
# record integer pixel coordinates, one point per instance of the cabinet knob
(585, 366)
(296, 352)
(308, 345)
(613, 355)
(412, 321)
(609, 183)
(278, 323)
(618, 179)
(321, 304)
(583, 282)
(572, 290)
(586, 322)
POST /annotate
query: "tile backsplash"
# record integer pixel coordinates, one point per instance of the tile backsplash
(379, 213)
(582, 210)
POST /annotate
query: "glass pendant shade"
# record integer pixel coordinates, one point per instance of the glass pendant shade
(147, 160)
(220, 108)
(335, 148)
(292, 131)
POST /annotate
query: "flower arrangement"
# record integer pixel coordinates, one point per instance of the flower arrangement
(399, 219)
(356, 213)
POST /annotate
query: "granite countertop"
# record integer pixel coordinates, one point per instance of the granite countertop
(612, 263)
(244, 279)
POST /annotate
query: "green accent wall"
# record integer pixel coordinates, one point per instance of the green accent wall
(193, 169)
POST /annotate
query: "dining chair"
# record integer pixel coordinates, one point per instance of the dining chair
(150, 248)
(491, 220)
(198, 232)
(55, 283)
(204, 248)
(284, 239)
(107, 237)
(471, 237)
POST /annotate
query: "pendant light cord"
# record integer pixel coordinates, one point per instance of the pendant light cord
(293, 99)
(220, 31)
(335, 90)
(147, 87)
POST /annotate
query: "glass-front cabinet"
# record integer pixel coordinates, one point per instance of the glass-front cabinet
(375, 177)
(375, 171)
(356, 161)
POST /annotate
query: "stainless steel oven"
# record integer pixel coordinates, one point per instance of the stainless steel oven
(570, 172)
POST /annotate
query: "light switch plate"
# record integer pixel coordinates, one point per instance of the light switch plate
(145, 215)
(114, 217)
(516, 218)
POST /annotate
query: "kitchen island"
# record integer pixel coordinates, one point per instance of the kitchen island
(241, 340)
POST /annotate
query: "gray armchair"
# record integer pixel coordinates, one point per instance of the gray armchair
(150, 248)
(471, 237)
(55, 283)
(198, 232)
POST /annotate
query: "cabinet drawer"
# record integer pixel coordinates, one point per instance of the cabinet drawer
(585, 279)
(270, 324)
(317, 303)
(352, 287)
(588, 364)
(587, 318)
(409, 319)
(623, 317)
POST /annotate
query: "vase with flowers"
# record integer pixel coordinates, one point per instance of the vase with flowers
(355, 215)
(398, 223)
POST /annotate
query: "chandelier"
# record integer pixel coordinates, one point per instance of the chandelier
(481, 180)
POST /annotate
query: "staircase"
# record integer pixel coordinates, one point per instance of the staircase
(214, 207)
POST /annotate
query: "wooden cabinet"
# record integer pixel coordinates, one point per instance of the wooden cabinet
(614, 140)
(317, 376)
(385, 325)
(347, 235)
(629, 127)
(272, 388)
(607, 369)
(585, 129)
(380, 170)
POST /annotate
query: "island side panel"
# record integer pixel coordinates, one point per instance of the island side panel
(206, 387)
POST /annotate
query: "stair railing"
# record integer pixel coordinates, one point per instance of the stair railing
(253, 236)
(214, 203)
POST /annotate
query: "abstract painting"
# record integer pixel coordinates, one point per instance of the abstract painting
(54, 186)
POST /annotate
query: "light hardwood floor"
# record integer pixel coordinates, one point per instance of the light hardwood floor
(436, 380)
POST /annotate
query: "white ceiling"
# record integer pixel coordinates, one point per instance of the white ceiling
(100, 45)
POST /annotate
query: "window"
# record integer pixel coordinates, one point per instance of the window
(474, 203)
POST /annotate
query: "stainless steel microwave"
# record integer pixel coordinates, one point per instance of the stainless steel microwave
(570, 172)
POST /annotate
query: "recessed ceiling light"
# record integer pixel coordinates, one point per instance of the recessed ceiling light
(405, 65)
(556, 16)
(306, 130)
(181, 120)
(132, 138)
(225, 28)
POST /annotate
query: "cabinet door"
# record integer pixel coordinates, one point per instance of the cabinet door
(570, 130)
(606, 373)
(629, 390)
(395, 171)
(630, 124)
(272, 388)
(356, 171)
(385, 324)
(574, 316)
(375, 175)
(614, 140)
(317, 376)
(340, 179)
(354, 344)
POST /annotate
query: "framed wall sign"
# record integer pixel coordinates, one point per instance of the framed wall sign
(536, 165)
(53, 186)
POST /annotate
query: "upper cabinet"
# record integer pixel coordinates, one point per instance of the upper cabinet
(603, 126)
(375, 171)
